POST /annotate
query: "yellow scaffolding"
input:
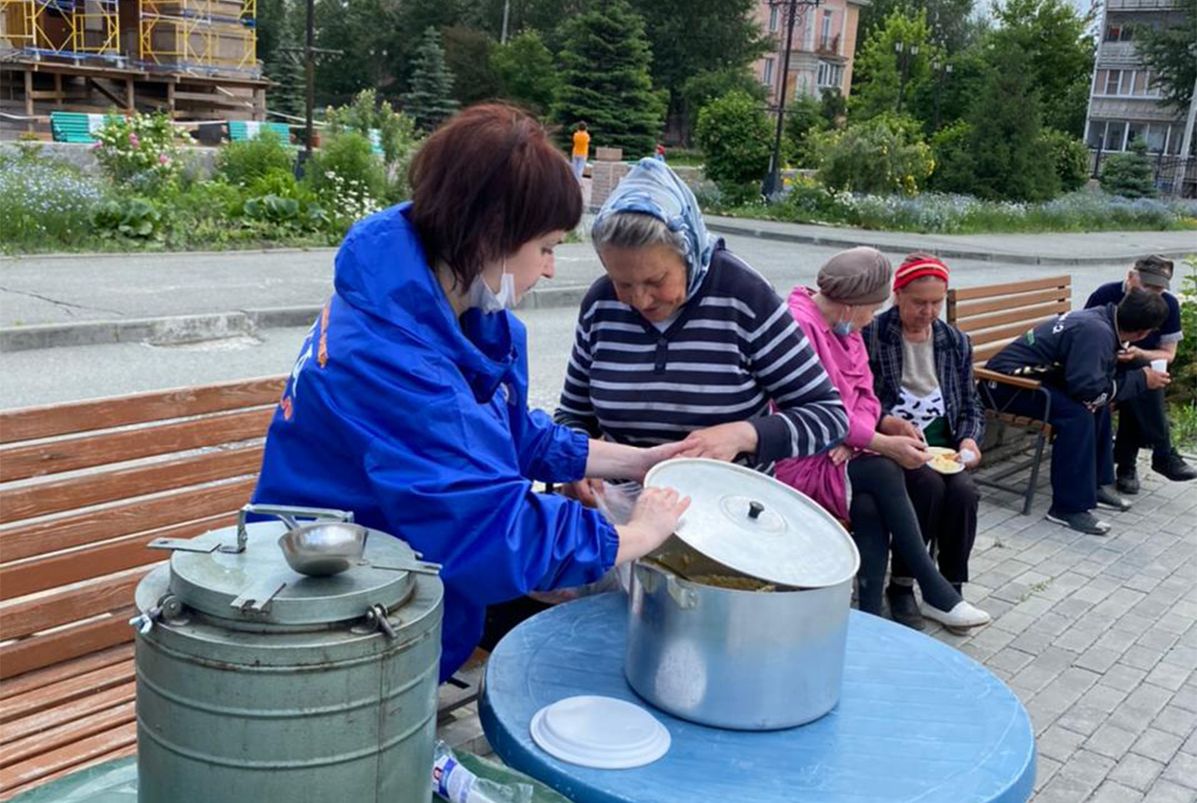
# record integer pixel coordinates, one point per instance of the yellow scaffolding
(73, 29)
(210, 36)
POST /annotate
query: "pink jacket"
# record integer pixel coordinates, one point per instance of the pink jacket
(847, 364)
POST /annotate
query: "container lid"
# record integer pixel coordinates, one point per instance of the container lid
(600, 732)
(756, 525)
(257, 585)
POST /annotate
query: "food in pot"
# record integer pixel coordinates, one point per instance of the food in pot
(732, 581)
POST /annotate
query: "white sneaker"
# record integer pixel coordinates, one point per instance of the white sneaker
(962, 615)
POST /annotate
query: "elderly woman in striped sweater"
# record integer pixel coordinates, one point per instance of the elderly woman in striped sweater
(682, 340)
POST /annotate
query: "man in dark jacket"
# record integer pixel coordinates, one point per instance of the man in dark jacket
(1075, 356)
(1143, 420)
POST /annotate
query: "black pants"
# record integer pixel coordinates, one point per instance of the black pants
(1083, 453)
(946, 506)
(1142, 424)
(883, 518)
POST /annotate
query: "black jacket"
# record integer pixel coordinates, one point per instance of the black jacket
(1078, 353)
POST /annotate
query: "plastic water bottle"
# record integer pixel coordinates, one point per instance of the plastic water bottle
(453, 782)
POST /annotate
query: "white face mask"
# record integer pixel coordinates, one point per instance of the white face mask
(487, 300)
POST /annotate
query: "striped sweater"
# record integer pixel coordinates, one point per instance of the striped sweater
(733, 353)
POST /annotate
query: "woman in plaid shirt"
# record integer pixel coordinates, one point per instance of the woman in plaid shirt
(923, 375)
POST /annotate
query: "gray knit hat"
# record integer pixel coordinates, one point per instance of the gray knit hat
(857, 276)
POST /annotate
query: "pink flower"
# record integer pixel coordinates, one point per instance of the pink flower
(163, 159)
(95, 146)
(133, 140)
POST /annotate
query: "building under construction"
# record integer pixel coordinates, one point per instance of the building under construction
(194, 59)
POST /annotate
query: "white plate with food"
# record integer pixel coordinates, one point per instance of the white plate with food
(943, 460)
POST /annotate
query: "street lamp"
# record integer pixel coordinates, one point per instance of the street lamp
(940, 72)
(794, 9)
(906, 54)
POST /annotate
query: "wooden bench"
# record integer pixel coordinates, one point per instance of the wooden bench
(77, 126)
(83, 487)
(992, 316)
(244, 130)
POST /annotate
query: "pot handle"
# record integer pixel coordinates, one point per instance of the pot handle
(686, 598)
(288, 514)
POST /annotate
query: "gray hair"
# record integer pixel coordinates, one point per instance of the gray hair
(635, 230)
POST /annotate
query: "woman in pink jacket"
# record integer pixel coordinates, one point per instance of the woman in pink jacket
(861, 480)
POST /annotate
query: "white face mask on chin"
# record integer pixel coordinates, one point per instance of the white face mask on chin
(480, 295)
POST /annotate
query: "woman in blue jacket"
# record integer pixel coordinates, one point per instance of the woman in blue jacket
(408, 403)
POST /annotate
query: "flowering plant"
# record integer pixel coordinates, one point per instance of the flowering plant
(140, 147)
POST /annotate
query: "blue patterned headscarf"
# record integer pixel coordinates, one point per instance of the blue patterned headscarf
(651, 188)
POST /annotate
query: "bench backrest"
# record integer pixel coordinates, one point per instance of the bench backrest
(242, 130)
(77, 126)
(85, 485)
(994, 314)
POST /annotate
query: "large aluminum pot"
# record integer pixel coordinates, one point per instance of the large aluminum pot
(732, 658)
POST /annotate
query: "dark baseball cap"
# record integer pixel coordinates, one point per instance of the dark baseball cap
(1155, 271)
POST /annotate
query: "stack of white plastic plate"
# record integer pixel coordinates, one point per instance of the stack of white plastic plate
(600, 732)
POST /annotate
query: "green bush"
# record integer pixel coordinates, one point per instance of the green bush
(346, 178)
(1069, 156)
(885, 154)
(240, 163)
(803, 118)
(1184, 366)
(1129, 174)
(734, 134)
(141, 148)
(953, 159)
(134, 218)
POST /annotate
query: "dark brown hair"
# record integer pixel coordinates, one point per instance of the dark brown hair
(484, 184)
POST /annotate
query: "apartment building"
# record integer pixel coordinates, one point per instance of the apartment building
(821, 54)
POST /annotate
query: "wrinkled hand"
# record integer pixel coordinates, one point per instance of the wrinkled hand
(654, 519)
(906, 451)
(722, 442)
(969, 445)
(585, 491)
(892, 425)
(1157, 379)
(840, 454)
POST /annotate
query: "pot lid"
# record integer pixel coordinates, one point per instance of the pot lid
(258, 585)
(602, 732)
(757, 525)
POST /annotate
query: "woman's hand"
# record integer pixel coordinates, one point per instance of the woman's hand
(657, 454)
(892, 425)
(585, 491)
(905, 451)
(840, 454)
(723, 442)
(969, 445)
(654, 519)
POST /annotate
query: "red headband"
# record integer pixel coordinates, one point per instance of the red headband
(908, 271)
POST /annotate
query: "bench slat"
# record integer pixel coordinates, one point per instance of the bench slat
(68, 756)
(64, 532)
(53, 457)
(1028, 316)
(70, 642)
(40, 499)
(64, 419)
(80, 686)
(1003, 333)
(1010, 288)
(43, 678)
(961, 312)
(123, 752)
(20, 618)
(981, 354)
(104, 711)
(29, 577)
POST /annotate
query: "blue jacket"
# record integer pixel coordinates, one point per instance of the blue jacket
(420, 426)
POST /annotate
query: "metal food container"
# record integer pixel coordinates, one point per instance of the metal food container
(729, 657)
(258, 682)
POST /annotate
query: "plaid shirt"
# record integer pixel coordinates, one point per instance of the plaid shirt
(953, 368)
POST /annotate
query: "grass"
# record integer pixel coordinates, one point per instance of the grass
(1184, 425)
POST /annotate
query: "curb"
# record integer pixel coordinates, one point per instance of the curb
(947, 253)
(90, 255)
(181, 329)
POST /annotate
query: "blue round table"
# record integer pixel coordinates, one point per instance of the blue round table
(917, 720)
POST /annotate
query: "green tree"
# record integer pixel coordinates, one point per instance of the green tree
(526, 72)
(803, 117)
(1069, 157)
(364, 33)
(287, 71)
(736, 140)
(953, 23)
(430, 100)
(396, 130)
(886, 79)
(606, 82)
(1057, 52)
(1171, 53)
(692, 37)
(1129, 174)
(885, 154)
(699, 90)
(467, 54)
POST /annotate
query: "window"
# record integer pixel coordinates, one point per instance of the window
(1157, 135)
(1097, 132)
(1128, 33)
(830, 74)
(1112, 82)
(1135, 131)
(1115, 135)
(825, 32)
(1113, 32)
(773, 19)
(1127, 83)
(1140, 82)
(767, 73)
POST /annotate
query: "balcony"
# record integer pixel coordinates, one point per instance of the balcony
(1142, 5)
(828, 45)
